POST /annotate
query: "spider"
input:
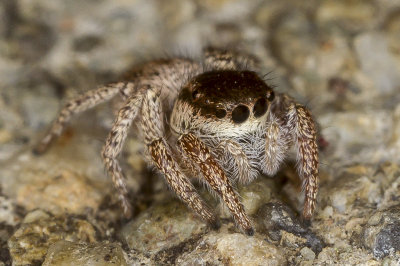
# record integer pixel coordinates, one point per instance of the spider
(213, 118)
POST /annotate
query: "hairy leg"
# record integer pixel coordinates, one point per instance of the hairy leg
(160, 153)
(170, 74)
(113, 147)
(215, 176)
(244, 172)
(300, 124)
(276, 146)
(84, 102)
(306, 144)
(228, 59)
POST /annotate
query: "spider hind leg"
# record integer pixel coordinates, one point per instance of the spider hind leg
(75, 106)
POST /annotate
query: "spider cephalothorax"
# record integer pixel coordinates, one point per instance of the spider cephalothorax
(222, 102)
(227, 125)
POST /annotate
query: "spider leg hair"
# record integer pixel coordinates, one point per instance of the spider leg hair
(241, 165)
(277, 142)
(75, 106)
(114, 144)
(299, 121)
(215, 176)
(162, 157)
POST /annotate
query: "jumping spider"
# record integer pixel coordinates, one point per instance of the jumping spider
(215, 119)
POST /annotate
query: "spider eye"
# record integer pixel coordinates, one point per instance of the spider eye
(195, 94)
(220, 113)
(240, 114)
(260, 108)
(271, 96)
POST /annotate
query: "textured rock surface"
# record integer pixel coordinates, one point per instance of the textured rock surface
(69, 253)
(30, 243)
(339, 57)
(382, 232)
(280, 223)
(232, 248)
(162, 227)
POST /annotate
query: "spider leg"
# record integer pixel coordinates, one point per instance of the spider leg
(228, 59)
(114, 144)
(162, 157)
(215, 177)
(84, 102)
(245, 173)
(277, 142)
(300, 123)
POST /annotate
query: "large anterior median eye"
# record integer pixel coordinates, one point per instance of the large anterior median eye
(240, 114)
(260, 108)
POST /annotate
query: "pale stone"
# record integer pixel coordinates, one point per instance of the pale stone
(242, 250)
(65, 253)
(31, 241)
(68, 192)
(307, 253)
(161, 227)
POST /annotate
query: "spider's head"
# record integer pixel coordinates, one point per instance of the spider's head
(221, 101)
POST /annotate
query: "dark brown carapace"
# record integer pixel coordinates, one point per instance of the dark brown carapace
(228, 93)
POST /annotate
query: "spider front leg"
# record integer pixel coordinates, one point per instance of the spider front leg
(215, 176)
(307, 150)
(300, 124)
(84, 102)
(160, 153)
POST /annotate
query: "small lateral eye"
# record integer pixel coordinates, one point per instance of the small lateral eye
(260, 108)
(220, 113)
(240, 114)
(195, 94)
(271, 96)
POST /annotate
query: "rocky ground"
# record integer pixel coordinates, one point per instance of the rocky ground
(341, 58)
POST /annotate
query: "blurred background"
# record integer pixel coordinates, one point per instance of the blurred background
(341, 58)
